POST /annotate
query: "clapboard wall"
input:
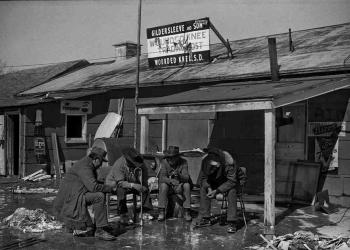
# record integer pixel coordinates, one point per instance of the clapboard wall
(54, 122)
(335, 107)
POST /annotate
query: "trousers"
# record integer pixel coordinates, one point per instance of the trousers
(121, 196)
(165, 190)
(205, 204)
(98, 201)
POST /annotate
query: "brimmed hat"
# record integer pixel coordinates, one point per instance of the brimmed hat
(98, 152)
(171, 151)
(133, 156)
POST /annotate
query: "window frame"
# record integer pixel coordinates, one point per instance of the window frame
(83, 139)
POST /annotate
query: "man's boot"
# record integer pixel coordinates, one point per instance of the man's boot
(232, 228)
(161, 216)
(101, 234)
(125, 220)
(188, 214)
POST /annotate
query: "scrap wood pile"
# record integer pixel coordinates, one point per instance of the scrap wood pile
(307, 240)
(37, 176)
(40, 190)
(35, 221)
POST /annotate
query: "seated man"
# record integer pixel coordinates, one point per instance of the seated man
(125, 176)
(78, 189)
(218, 175)
(174, 179)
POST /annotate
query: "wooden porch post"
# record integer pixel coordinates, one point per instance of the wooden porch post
(269, 203)
(164, 132)
(144, 137)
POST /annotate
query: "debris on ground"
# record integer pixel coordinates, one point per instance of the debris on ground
(49, 199)
(37, 176)
(306, 240)
(41, 190)
(35, 221)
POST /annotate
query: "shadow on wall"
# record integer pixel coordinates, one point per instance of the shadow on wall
(241, 133)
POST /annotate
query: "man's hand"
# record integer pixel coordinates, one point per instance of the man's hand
(175, 174)
(138, 187)
(211, 193)
(174, 182)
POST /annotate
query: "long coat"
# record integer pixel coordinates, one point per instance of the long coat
(70, 205)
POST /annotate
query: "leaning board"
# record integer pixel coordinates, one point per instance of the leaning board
(108, 125)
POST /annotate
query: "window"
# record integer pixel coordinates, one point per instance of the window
(75, 129)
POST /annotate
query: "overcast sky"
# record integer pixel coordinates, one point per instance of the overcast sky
(55, 31)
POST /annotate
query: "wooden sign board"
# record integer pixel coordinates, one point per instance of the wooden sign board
(179, 43)
(76, 107)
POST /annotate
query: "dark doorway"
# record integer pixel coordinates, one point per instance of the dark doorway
(12, 150)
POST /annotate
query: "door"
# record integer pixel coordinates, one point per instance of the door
(12, 144)
(187, 132)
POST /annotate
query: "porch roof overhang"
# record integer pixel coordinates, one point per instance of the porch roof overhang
(240, 96)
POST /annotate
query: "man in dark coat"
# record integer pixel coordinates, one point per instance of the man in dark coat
(218, 175)
(125, 176)
(174, 179)
(79, 189)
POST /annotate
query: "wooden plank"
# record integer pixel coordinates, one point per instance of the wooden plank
(165, 133)
(194, 116)
(274, 68)
(33, 174)
(2, 145)
(56, 156)
(269, 190)
(289, 151)
(22, 154)
(144, 137)
(195, 108)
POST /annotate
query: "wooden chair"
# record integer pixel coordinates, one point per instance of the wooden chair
(110, 202)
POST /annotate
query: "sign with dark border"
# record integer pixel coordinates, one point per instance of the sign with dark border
(76, 107)
(179, 43)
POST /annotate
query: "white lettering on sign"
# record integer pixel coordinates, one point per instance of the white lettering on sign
(179, 43)
(193, 41)
(168, 30)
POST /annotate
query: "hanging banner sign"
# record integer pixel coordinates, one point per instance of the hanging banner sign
(179, 43)
(76, 107)
(321, 129)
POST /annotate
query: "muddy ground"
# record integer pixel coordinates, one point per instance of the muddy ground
(174, 233)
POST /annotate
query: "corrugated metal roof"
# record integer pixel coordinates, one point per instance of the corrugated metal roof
(15, 82)
(316, 50)
(280, 93)
(21, 101)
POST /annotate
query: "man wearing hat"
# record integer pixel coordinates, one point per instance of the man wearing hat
(174, 179)
(218, 175)
(125, 175)
(79, 189)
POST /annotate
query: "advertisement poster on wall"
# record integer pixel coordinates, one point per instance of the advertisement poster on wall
(327, 135)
